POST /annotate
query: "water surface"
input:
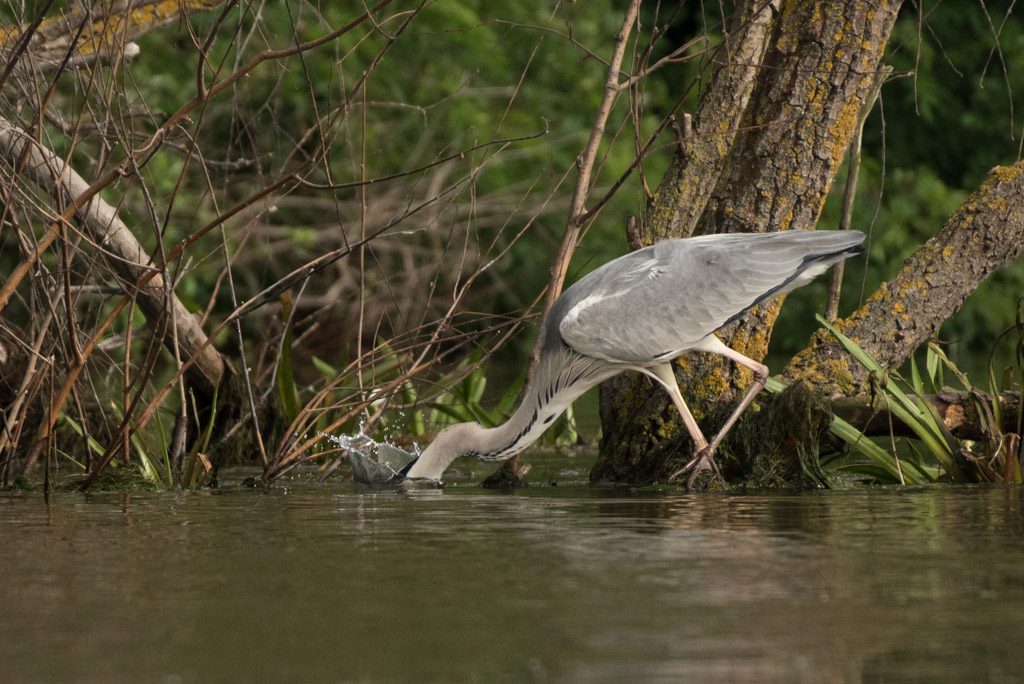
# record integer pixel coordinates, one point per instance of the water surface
(321, 583)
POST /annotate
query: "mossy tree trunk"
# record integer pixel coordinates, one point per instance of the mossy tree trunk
(806, 95)
(986, 233)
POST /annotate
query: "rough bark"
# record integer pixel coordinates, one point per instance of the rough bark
(802, 114)
(107, 29)
(127, 257)
(696, 167)
(985, 233)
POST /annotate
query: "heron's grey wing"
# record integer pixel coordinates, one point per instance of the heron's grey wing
(658, 302)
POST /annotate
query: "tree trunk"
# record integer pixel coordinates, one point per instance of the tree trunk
(985, 234)
(696, 167)
(807, 95)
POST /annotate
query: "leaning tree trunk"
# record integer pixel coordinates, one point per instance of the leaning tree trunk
(143, 284)
(984, 234)
(807, 94)
(84, 37)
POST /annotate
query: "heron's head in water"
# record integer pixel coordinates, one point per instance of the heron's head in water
(450, 444)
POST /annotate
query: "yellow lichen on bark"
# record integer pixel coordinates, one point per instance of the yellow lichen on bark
(1004, 174)
(703, 387)
(832, 373)
(841, 132)
(112, 32)
(755, 343)
(109, 32)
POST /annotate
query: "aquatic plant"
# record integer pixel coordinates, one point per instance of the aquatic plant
(935, 454)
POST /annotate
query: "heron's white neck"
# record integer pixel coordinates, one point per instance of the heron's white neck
(543, 403)
(494, 444)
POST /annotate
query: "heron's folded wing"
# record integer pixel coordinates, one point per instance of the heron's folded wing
(641, 311)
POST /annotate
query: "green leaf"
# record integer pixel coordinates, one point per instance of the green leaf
(459, 413)
(934, 368)
(910, 407)
(326, 369)
(95, 446)
(416, 425)
(915, 377)
(150, 471)
(879, 456)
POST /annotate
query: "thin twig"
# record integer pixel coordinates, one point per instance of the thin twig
(23, 42)
(585, 163)
(850, 191)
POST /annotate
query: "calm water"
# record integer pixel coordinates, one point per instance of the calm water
(310, 583)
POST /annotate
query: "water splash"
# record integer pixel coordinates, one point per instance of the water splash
(373, 462)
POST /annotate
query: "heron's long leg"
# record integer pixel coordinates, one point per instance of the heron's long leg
(760, 378)
(704, 459)
(663, 373)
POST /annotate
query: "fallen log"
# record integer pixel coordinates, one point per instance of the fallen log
(963, 413)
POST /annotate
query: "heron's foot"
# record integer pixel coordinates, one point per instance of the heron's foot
(704, 460)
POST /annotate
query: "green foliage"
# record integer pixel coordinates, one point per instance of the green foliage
(908, 404)
(146, 474)
(460, 75)
(461, 401)
(962, 69)
(149, 466)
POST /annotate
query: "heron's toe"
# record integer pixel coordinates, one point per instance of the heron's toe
(704, 460)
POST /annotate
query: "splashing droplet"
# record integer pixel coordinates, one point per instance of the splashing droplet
(373, 462)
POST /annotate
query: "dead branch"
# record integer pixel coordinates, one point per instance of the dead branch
(126, 256)
(107, 31)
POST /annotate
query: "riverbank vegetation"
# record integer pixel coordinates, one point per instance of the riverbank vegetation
(229, 230)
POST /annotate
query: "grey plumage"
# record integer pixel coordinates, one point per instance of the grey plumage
(639, 312)
(669, 296)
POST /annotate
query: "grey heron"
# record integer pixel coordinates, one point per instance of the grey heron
(639, 312)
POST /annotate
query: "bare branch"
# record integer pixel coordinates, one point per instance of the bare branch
(585, 164)
(111, 235)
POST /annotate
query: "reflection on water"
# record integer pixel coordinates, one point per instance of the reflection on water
(320, 583)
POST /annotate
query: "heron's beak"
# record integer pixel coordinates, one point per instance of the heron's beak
(405, 471)
(403, 480)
